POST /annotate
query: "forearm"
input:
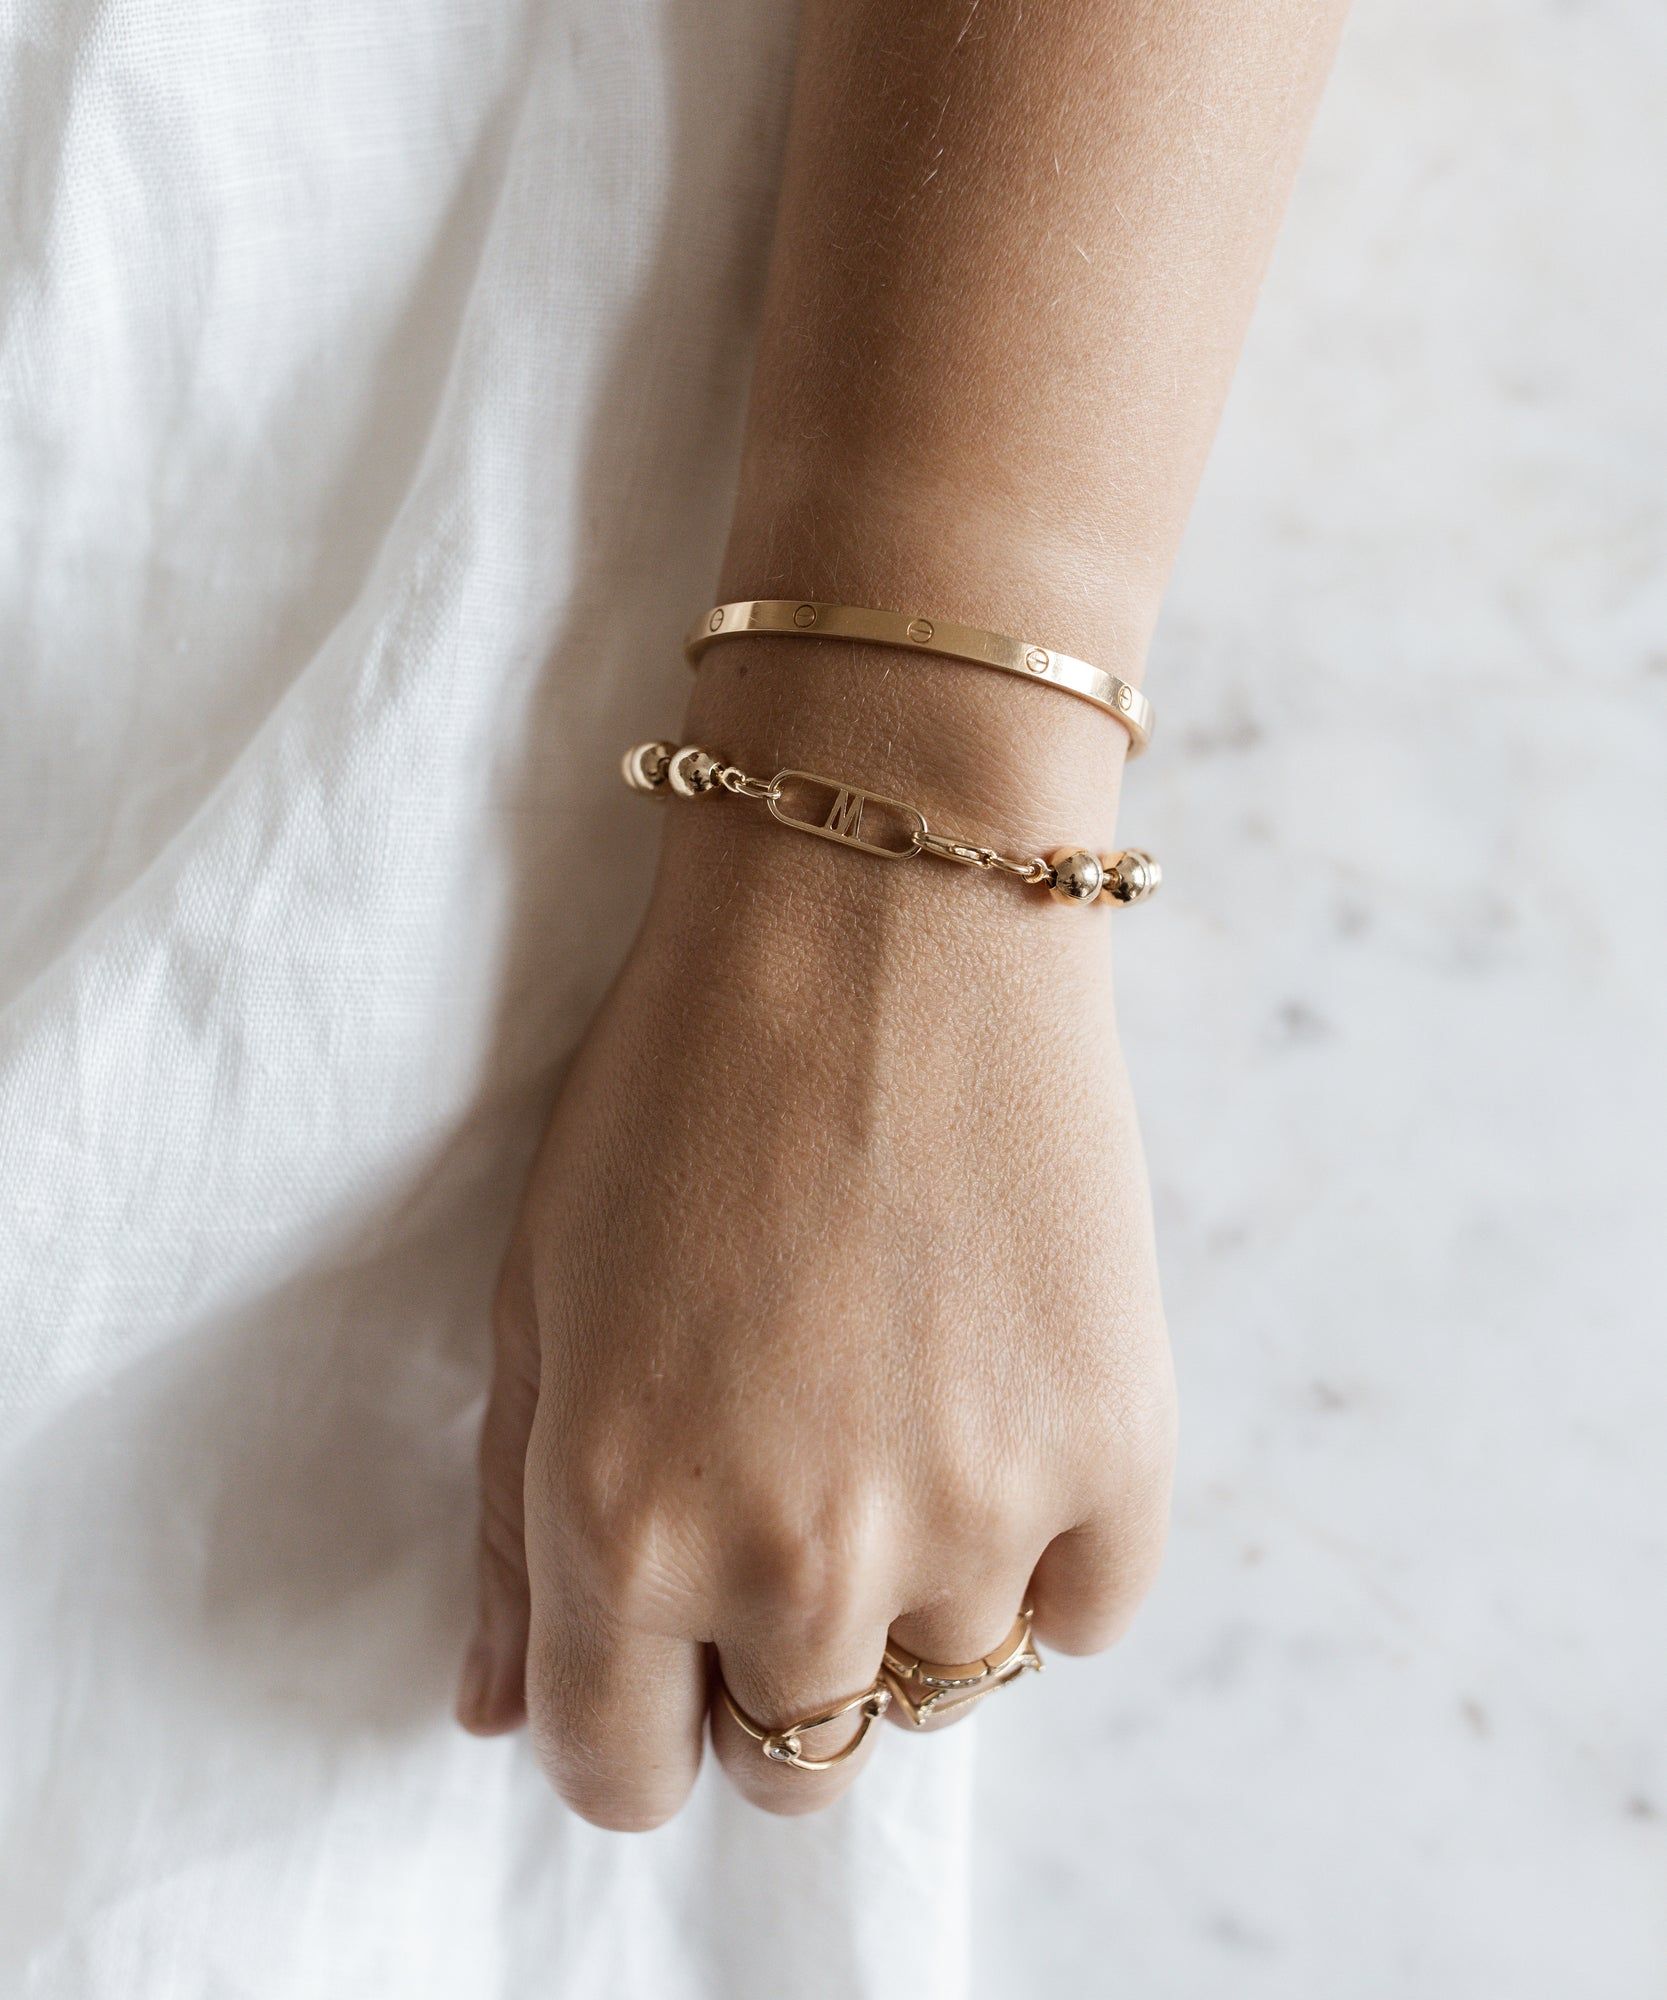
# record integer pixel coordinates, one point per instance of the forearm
(1016, 250)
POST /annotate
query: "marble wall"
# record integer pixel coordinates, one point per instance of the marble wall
(1394, 1723)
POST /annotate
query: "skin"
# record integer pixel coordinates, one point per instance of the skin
(832, 1308)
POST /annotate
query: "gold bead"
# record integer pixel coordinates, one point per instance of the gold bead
(1132, 876)
(1077, 875)
(691, 770)
(644, 765)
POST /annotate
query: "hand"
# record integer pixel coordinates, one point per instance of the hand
(832, 1310)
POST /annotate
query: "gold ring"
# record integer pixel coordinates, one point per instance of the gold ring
(786, 1745)
(928, 1692)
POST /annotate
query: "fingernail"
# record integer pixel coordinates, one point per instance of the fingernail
(473, 1686)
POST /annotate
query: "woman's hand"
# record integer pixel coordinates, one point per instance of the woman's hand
(831, 1312)
(832, 1308)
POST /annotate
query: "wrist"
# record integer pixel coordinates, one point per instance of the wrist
(987, 757)
(795, 931)
(789, 935)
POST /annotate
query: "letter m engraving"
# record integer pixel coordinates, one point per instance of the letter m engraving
(845, 821)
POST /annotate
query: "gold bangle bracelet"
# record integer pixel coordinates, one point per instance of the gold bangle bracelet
(874, 823)
(797, 618)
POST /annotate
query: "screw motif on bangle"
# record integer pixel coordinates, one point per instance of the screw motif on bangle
(798, 618)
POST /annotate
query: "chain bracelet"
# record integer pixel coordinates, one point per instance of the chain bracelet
(873, 823)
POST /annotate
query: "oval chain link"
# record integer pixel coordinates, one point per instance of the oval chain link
(967, 852)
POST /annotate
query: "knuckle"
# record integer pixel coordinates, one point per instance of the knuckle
(598, 1502)
(787, 1565)
(982, 1518)
(1131, 1455)
(811, 1575)
(981, 1513)
(1130, 1505)
(614, 1535)
(617, 1557)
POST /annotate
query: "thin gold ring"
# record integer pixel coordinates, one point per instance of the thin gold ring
(790, 617)
(928, 1692)
(786, 1745)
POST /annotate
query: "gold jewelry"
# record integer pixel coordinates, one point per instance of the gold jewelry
(786, 1745)
(929, 1692)
(875, 824)
(790, 617)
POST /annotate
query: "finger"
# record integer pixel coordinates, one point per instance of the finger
(965, 1628)
(1091, 1582)
(491, 1694)
(779, 1682)
(618, 1714)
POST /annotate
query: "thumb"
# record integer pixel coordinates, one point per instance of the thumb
(492, 1694)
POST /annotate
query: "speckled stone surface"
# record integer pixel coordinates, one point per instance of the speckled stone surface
(1394, 1724)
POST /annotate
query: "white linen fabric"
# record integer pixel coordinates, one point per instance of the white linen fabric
(370, 393)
